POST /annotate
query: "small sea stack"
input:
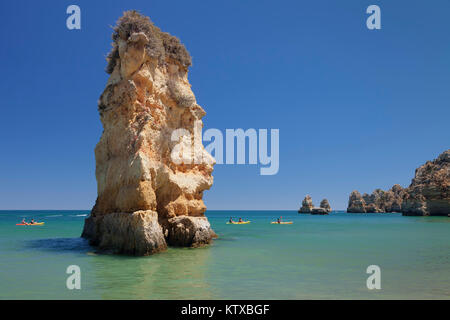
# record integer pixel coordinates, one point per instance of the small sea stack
(147, 200)
(324, 204)
(308, 207)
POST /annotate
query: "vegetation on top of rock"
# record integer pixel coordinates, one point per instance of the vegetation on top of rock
(161, 44)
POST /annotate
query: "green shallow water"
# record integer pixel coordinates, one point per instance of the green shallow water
(318, 257)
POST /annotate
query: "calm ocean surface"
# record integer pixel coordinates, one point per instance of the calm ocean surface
(318, 257)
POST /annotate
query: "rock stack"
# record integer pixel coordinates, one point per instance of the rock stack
(308, 207)
(324, 204)
(147, 198)
(356, 203)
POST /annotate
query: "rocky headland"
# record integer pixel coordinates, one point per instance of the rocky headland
(377, 201)
(427, 195)
(429, 191)
(308, 207)
(146, 200)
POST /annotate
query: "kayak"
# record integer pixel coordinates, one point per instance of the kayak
(30, 224)
(287, 222)
(243, 222)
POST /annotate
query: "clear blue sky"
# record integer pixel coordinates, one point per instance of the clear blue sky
(356, 109)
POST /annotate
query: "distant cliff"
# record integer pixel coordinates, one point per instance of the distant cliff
(378, 201)
(428, 193)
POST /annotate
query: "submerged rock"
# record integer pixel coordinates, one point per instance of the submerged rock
(147, 199)
(307, 205)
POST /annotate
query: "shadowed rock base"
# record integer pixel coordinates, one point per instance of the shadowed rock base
(141, 234)
(137, 233)
(319, 211)
(187, 231)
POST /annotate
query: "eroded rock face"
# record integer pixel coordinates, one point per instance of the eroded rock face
(397, 194)
(376, 202)
(307, 205)
(356, 203)
(429, 191)
(147, 198)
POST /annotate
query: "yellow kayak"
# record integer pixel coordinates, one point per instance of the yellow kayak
(243, 222)
(31, 224)
(287, 222)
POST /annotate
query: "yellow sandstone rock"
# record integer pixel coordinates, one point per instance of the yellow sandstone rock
(147, 201)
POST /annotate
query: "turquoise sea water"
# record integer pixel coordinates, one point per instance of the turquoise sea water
(317, 257)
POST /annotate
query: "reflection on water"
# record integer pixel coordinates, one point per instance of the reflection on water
(435, 219)
(178, 273)
(175, 274)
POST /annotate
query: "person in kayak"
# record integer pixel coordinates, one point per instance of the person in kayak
(23, 221)
(231, 220)
(240, 220)
(279, 220)
(32, 221)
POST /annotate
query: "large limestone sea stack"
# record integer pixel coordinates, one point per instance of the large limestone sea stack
(147, 200)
